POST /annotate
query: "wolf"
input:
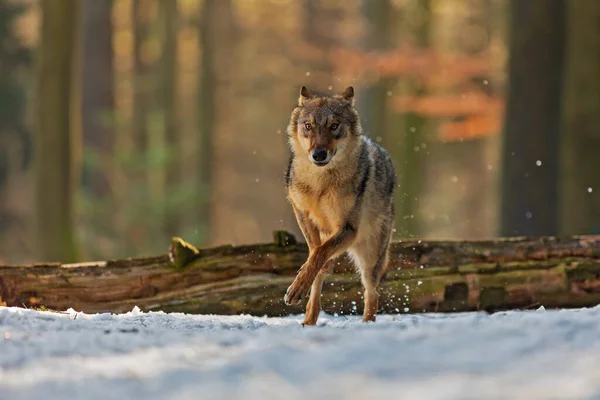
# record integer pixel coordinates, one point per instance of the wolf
(340, 185)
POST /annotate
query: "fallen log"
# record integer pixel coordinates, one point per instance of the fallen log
(424, 276)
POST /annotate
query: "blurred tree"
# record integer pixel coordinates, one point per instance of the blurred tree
(531, 137)
(206, 118)
(218, 34)
(372, 99)
(320, 31)
(465, 156)
(139, 179)
(98, 96)
(140, 14)
(15, 141)
(98, 213)
(175, 169)
(56, 144)
(410, 161)
(382, 124)
(401, 133)
(581, 126)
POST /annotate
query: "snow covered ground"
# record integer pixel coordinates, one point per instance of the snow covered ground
(514, 355)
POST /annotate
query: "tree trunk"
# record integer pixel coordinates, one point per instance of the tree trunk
(170, 97)
(15, 140)
(206, 114)
(462, 164)
(218, 46)
(98, 95)
(531, 137)
(581, 126)
(320, 31)
(55, 170)
(145, 182)
(399, 134)
(372, 100)
(141, 31)
(439, 276)
(96, 87)
(412, 153)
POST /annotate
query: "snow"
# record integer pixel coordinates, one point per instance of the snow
(537, 354)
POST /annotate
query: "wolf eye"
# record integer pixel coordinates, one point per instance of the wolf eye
(307, 126)
(334, 126)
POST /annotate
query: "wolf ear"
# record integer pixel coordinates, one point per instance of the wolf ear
(305, 95)
(348, 94)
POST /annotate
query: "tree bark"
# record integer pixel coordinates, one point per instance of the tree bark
(140, 11)
(170, 96)
(580, 190)
(531, 137)
(207, 94)
(98, 95)
(56, 142)
(219, 43)
(442, 276)
(15, 140)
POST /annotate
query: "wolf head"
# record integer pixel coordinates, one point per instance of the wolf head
(324, 127)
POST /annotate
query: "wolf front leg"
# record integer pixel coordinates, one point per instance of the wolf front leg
(313, 239)
(317, 260)
(309, 230)
(313, 307)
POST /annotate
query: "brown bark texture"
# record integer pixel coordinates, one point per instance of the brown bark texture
(580, 169)
(531, 140)
(57, 141)
(424, 276)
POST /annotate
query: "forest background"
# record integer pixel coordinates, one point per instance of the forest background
(126, 122)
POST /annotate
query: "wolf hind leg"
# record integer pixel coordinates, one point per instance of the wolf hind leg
(371, 277)
(372, 259)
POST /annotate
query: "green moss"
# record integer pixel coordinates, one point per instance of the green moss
(210, 263)
(529, 265)
(181, 253)
(519, 277)
(584, 272)
(420, 273)
(485, 268)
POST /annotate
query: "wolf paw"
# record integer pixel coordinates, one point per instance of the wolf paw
(299, 288)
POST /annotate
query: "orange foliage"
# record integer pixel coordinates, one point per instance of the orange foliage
(482, 115)
(448, 105)
(474, 127)
(435, 69)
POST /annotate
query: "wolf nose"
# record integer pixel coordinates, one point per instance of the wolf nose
(319, 155)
